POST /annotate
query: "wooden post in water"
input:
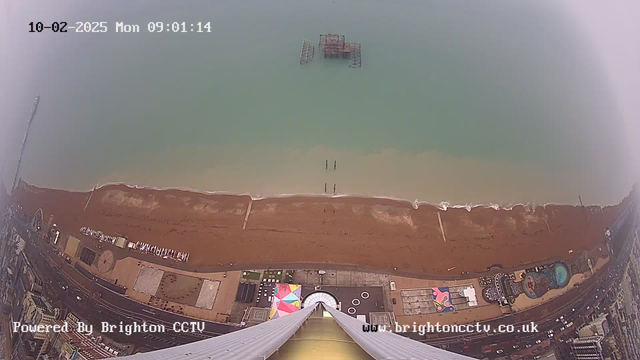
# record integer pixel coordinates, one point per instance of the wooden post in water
(307, 52)
(325, 188)
(334, 188)
(335, 163)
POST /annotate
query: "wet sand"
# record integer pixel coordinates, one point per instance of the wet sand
(370, 232)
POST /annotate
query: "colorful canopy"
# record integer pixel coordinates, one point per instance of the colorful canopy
(286, 300)
(442, 299)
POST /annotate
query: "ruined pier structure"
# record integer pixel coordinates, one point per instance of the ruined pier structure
(336, 46)
(333, 46)
(307, 52)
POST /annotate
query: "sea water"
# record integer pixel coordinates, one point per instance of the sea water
(494, 102)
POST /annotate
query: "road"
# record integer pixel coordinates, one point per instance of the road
(110, 307)
(598, 291)
(114, 308)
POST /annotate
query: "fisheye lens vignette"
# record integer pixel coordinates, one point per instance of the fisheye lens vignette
(381, 180)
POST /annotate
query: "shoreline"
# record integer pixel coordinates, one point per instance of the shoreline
(443, 205)
(219, 229)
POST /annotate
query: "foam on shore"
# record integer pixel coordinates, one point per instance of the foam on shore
(414, 203)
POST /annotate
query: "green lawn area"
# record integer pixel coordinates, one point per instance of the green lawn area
(251, 275)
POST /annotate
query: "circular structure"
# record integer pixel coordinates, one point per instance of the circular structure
(320, 296)
(355, 302)
(364, 295)
(105, 261)
(555, 276)
(562, 274)
(179, 288)
(490, 294)
(351, 310)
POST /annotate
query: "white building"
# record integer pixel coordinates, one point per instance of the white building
(587, 348)
(598, 327)
(37, 312)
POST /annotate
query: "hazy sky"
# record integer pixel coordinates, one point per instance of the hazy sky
(613, 29)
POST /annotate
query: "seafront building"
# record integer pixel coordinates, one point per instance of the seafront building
(37, 312)
(73, 345)
(598, 327)
(588, 348)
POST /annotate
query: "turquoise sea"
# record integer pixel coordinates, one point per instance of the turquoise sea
(458, 101)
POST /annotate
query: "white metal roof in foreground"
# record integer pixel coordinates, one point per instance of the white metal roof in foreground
(253, 343)
(387, 345)
(261, 341)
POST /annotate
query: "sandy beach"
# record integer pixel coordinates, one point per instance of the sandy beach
(370, 232)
